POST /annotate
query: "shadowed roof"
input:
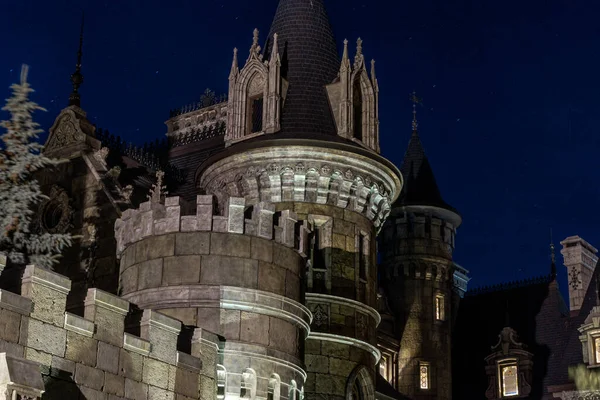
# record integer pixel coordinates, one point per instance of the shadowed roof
(420, 187)
(309, 61)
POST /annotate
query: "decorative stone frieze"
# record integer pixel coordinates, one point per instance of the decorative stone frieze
(306, 173)
(70, 134)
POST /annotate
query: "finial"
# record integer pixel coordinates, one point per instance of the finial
(77, 77)
(552, 257)
(275, 49)
(415, 100)
(359, 55)
(345, 65)
(234, 64)
(255, 49)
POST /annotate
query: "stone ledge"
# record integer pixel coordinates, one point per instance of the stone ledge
(204, 337)
(262, 357)
(77, 324)
(136, 344)
(14, 302)
(161, 321)
(40, 276)
(328, 337)
(100, 298)
(188, 362)
(325, 298)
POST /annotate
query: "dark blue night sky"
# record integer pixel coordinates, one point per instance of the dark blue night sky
(510, 120)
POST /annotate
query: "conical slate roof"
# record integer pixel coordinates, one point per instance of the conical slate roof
(420, 187)
(309, 61)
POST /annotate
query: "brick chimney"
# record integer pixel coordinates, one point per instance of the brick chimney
(580, 260)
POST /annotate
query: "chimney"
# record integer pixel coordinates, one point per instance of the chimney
(580, 260)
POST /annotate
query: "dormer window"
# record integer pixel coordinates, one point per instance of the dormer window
(508, 378)
(357, 105)
(255, 112)
(439, 307)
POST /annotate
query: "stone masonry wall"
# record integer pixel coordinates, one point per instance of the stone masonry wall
(239, 277)
(92, 357)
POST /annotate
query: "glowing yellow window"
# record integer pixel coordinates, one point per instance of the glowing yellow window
(439, 307)
(597, 349)
(510, 382)
(424, 376)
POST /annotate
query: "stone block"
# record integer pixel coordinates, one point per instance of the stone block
(161, 331)
(287, 258)
(333, 385)
(316, 363)
(155, 393)
(229, 271)
(48, 292)
(155, 247)
(338, 366)
(155, 373)
(108, 313)
(186, 382)
(75, 323)
(130, 365)
(283, 335)
(114, 384)
(188, 316)
(108, 357)
(10, 324)
(292, 286)
(129, 280)
(271, 278)
(207, 389)
(135, 390)
(46, 337)
(89, 377)
(62, 368)
(234, 212)
(92, 394)
(254, 328)
(40, 357)
(181, 270)
(136, 344)
(150, 274)
(312, 347)
(335, 350)
(209, 318)
(192, 243)
(15, 303)
(230, 324)
(230, 245)
(81, 349)
(12, 349)
(261, 249)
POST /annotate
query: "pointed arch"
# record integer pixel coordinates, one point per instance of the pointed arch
(292, 390)
(363, 118)
(248, 387)
(359, 385)
(274, 390)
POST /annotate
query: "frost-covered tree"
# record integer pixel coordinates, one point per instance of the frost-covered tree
(20, 157)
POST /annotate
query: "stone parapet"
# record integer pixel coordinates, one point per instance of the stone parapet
(92, 356)
(153, 219)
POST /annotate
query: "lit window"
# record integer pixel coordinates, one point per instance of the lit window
(597, 349)
(383, 367)
(439, 307)
(424, 376)
(509, 382)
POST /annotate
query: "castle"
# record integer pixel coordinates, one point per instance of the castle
(256, 275)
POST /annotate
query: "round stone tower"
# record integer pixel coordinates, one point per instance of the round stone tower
(418, 277)
(303, 142)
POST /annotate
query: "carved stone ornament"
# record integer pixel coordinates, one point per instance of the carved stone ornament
(101, 155)
(320, 315)
(574, 280)
(65, 132)
(55, 213)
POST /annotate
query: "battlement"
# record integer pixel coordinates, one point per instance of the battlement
(158, 219)
(93, 354)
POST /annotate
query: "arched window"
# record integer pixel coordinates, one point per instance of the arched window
(292, 389)
(359, 385)
(274, 391)
(248, 387)
(221, 381)
(357, 108)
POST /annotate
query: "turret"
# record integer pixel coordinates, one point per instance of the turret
(418, 277)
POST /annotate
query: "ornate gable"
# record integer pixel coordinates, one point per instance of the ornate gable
(70, 134)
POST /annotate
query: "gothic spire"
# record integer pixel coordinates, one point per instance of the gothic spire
(358, 58)
(373, 77)
(234, 65)
(415, 100)
(345, 65)
(77, 76)
(309, 62)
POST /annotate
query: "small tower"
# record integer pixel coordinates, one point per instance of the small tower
(418, 276)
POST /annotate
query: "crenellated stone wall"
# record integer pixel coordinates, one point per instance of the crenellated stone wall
(93, 356)
(239, 277)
